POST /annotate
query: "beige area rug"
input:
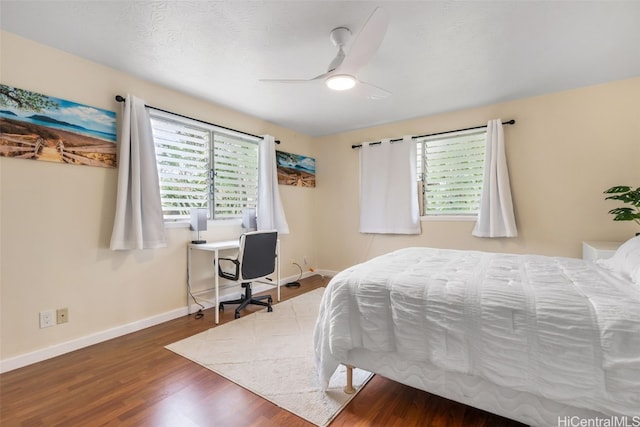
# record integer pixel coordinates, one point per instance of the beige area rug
(278, 346)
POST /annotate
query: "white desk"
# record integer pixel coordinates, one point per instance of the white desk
(216, 247)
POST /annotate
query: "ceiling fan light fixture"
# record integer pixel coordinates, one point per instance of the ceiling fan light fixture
(341, 82)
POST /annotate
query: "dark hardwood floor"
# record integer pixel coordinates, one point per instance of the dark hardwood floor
(134, 381)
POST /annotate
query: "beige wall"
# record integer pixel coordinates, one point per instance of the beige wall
(55, 219)
(565, 149)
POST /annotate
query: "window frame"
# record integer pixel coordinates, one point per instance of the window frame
(214, 134)
(425, 214)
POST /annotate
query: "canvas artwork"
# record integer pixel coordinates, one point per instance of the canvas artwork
(294, 169)
(41, 127)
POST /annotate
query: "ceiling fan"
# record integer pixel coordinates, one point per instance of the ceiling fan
(343, 69)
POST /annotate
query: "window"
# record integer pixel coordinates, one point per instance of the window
(450, 173)
(201, 165)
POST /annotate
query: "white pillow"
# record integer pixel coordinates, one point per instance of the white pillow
(635, 277)
(626, 260)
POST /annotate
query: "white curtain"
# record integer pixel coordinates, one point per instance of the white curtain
(388, 194)
(270, 212)
(138, 222)
(495, 218)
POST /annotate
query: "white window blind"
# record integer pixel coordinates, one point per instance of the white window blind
(235, 176)
(202, 166)
(450, 172)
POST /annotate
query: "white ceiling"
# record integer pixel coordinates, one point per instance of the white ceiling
(437, 56)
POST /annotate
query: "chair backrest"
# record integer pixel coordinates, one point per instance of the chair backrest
(257, 255)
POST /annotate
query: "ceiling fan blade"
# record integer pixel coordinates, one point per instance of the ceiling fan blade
(321, 76)
(366, 42)
(371, 91)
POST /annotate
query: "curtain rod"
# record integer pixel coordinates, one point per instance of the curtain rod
(120, 98)
(510, 122)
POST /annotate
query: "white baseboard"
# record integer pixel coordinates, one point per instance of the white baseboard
(324, 273)
(26, 359)
(76, 344)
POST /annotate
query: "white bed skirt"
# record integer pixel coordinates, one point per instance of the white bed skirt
(473, 391)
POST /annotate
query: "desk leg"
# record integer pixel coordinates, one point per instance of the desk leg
(216, 281)
(278, 267)
(188, 280)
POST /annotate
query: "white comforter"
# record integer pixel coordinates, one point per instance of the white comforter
(561, 328)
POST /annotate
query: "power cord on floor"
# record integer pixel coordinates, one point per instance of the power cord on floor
(199, 313)
(295, 283)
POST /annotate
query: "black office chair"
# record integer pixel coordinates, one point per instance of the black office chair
(255, 261)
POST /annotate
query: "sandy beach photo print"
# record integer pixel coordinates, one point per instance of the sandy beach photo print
(40, 127)
(294, 169)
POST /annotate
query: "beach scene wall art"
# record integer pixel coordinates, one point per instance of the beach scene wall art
(294, 169)
(40, 127)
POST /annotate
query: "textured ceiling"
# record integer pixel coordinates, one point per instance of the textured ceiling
(437, 56)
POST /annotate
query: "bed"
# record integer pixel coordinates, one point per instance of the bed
(533, 338)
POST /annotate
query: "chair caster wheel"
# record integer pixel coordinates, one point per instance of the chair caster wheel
(269, 309)
(237, 315)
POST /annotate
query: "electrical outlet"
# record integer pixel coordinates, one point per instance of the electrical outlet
(47, 318)
(62, 315)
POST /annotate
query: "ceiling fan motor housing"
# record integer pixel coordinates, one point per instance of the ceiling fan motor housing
(340, 36)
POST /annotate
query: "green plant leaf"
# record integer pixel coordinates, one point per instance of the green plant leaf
(627, 195)
(625, 214)
(618, 189)
(624, 194)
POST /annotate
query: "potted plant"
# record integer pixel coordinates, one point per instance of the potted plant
(627, 195)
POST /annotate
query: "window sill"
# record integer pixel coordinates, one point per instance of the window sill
(176, 224)
(465, 218)
(210, 223)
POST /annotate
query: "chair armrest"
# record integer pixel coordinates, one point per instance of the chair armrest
(225, 274)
